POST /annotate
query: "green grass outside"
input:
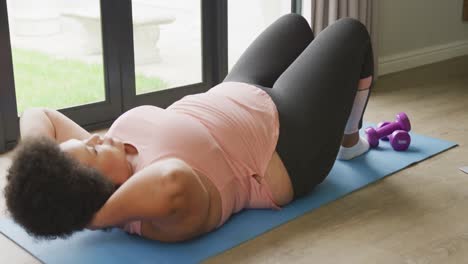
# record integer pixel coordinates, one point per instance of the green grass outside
(44, 81)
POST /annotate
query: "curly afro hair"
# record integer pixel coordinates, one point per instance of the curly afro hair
(49, 193)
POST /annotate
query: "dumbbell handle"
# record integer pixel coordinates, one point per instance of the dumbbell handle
(388, 129)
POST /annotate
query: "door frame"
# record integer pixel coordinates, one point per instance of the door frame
(7, 91)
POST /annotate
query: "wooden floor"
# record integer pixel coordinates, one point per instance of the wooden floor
(418, 215)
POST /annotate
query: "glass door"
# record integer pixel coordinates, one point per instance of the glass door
(247, 19)
(306, 10)
(172, 48)
(167, 44)
(94, 59)
(59, 54)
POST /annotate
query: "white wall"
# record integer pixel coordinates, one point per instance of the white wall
(417, 32)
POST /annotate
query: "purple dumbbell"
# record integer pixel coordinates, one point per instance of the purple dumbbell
(401, 123)
(400, 140)
(382, 124)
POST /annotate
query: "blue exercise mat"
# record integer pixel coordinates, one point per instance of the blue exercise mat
(118, 247)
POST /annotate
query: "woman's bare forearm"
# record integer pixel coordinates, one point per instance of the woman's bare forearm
(50, 123)
(35, 122)
(151, 193)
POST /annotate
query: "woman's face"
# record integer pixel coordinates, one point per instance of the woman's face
(107, 155)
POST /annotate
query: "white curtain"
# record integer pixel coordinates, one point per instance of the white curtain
(325, 12)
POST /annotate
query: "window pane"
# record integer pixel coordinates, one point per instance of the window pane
(247, 19)
(57, 52)
(167, 42)
(307, 10)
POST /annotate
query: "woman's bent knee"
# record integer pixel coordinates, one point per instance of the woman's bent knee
(354, 25)
(297, 22)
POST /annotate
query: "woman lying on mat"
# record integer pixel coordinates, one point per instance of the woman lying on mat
(266, 135)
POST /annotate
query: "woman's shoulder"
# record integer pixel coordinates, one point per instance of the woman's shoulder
(142, 111)
(177, 166)
(143, 108)
(173, 166)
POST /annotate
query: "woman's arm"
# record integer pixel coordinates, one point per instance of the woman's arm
(165, 189)
(51, 123)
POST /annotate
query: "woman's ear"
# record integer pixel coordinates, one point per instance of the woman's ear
(130, 149)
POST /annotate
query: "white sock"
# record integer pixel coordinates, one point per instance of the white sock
(360, 148)
(352, 125)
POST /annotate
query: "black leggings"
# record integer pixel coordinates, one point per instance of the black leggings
(313, 84)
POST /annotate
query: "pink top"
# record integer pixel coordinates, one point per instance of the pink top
(228, 133)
